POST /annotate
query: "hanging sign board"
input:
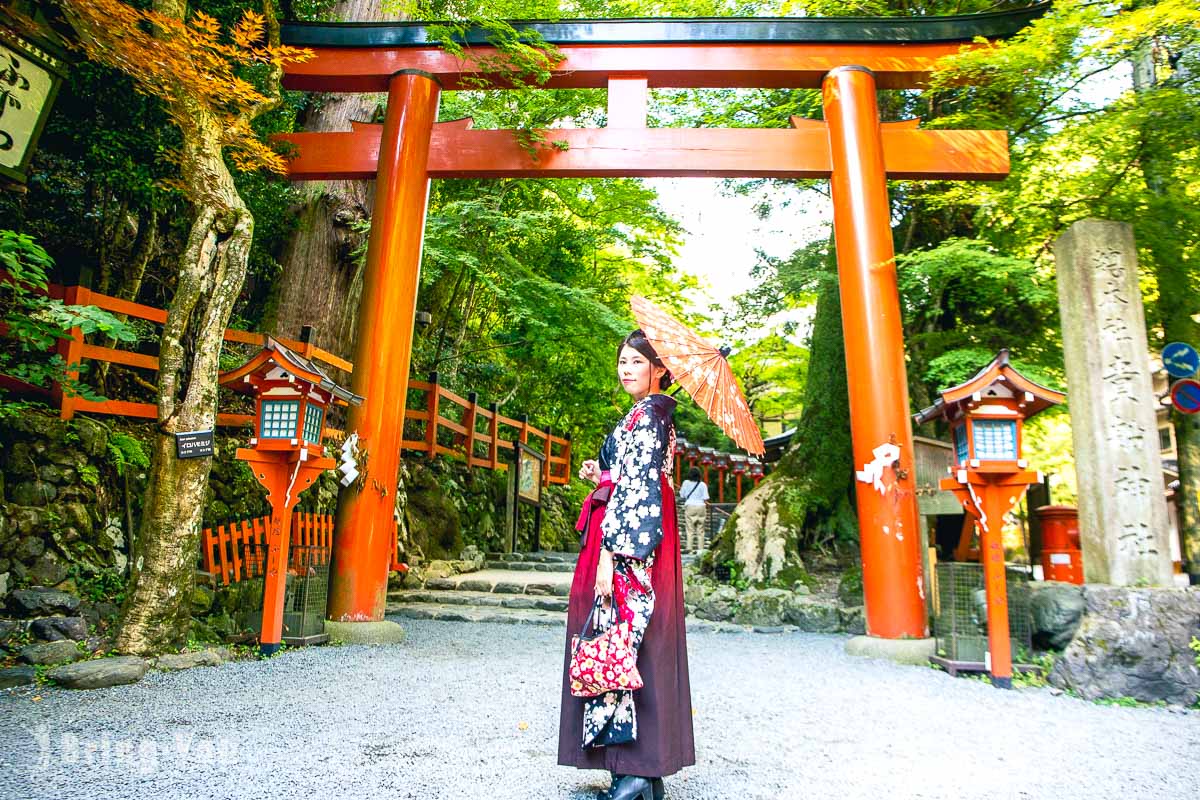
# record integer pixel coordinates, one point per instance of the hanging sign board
(29, 80)
(194, 444)
(1180, 360)
(529, 474)
(1185, 396)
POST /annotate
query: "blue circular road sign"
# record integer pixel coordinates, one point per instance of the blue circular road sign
(1180, 360)
(1185, 396)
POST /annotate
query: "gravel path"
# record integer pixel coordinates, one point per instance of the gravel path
(471, 711)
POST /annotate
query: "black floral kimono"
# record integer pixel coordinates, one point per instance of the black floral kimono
(632, 514)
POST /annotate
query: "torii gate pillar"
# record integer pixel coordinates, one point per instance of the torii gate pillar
(366, 527)
(893, 588)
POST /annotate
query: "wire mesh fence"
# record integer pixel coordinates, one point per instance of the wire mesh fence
(305, 594)
(960, 612)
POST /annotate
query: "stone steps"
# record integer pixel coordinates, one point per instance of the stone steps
(477, 599)
(532, 566)
(542, 557)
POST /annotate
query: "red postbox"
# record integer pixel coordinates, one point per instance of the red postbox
(1062, 558)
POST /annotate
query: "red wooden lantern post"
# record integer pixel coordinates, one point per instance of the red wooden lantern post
(681, 446)
(986, 416)
(721, 460)
(706, 460)
(756, 472)
(292, 397)
(740, 464)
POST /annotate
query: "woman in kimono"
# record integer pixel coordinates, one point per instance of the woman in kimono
(629, 563)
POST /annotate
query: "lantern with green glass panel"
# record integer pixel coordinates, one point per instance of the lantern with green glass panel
(292, 398)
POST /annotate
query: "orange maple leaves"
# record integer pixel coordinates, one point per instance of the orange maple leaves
(214, 85)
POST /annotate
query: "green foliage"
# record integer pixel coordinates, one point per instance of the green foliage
(35, 322)
(124, 452)
(105, 585)
(1195, 645)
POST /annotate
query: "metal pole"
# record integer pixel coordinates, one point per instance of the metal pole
(366, 527)
(892, 580)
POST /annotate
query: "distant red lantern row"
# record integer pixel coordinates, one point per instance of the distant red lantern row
(724, 463)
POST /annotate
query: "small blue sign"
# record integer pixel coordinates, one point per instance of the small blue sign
(1180, 360)
(1185, 396)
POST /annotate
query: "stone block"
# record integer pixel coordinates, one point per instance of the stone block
(1057, 609)
(41, 601)
(57, 629)
(100, 672)
(811, 615)
(17, 676)
(1134, 643)
(50, 653)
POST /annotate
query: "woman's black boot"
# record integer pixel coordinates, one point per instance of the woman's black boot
(612, 785)
(632, 787)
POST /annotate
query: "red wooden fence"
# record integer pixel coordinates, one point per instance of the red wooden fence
(463, 439)
(238, 551)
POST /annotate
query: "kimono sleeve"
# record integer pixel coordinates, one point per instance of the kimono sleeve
(632, 524)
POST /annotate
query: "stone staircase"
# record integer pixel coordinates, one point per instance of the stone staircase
(514, 588)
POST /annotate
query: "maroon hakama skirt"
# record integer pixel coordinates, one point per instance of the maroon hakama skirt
(665, 742)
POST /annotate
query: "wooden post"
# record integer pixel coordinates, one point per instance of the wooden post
(433, 404)
(71, 350)
(493, 432)
(469, 418)
(546, 466)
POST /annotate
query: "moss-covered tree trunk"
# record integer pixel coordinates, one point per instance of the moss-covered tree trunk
(808, 499)
(157, 615)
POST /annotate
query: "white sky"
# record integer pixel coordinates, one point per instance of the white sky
(723, 232)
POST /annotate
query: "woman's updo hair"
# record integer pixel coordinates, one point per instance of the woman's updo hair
(638, 341)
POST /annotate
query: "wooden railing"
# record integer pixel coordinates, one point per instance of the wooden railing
(474, 432)
(457, 420)
(238, 551)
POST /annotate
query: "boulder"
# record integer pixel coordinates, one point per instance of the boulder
(29, 549)
(9, 627)
(1134, 643)
(812, 615)
(718, 606)
(3, 587)
(17, 676)
(100, 672)
(693, 593)
(92, 435)
(1057, 609)
(51, 652)
(48, 569)
(200, 658)
(853, 619)
(42, 601)
(201, 599)
(472, 559)
(762, 607)
(33, 493)
(56, 629)
(763, 540)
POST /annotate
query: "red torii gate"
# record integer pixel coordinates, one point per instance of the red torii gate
(849, 59)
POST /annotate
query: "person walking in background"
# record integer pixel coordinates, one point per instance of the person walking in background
(694, 492)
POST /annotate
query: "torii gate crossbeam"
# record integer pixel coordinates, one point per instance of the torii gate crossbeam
(848, 59)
